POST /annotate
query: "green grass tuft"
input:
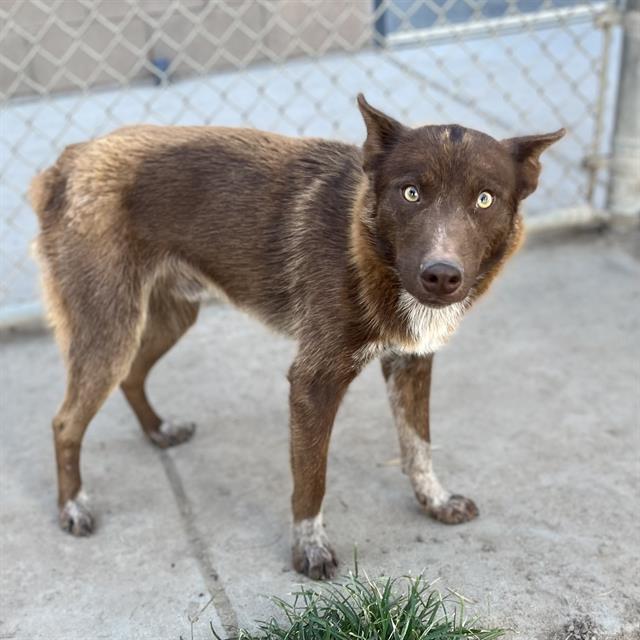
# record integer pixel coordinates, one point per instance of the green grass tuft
(358, 608)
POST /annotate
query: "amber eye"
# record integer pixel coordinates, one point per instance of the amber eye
(485, 200)
(411, 193)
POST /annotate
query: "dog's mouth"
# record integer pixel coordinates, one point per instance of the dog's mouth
(440, 302)
(436, 303)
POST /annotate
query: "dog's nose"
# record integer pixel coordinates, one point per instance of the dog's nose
(440, 278)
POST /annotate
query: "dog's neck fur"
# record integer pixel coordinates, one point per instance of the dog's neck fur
(395, 319)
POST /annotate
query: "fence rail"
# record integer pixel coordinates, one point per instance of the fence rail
(74, 70)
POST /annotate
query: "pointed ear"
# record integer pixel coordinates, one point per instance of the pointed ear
(525, 152)
(382, 133)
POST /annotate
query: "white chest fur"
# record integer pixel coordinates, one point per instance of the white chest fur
(429, 328)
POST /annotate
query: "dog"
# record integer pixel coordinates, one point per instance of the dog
(357, 253)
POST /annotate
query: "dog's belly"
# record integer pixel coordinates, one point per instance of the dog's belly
(176, 279)
(179, 280)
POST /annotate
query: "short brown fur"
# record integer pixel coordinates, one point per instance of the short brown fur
(311, 236)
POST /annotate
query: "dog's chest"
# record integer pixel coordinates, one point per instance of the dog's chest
(427, 329)
(428, 337)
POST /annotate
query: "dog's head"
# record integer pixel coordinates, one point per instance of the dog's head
(445, 201)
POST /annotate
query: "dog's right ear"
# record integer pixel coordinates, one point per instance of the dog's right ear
(382, 133)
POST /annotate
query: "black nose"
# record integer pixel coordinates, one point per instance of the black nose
(440, 278)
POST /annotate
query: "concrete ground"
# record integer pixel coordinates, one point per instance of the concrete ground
(535, 415)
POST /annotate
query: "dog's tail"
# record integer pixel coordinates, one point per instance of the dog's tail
(48, 190)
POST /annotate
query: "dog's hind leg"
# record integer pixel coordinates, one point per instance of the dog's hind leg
(408, 380)
(98, 319)
(167, 320)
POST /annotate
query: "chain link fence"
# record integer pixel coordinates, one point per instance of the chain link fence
(76, 69)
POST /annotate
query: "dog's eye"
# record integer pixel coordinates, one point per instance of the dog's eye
(411, 193)
(485, 200)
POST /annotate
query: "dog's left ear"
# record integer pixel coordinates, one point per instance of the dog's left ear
(526, 153)
(382, 133)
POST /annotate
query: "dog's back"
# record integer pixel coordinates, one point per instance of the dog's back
(234, 207)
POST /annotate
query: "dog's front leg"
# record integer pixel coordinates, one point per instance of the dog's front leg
(408, 384)
(314, 399)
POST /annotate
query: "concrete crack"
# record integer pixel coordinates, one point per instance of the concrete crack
(199, 549)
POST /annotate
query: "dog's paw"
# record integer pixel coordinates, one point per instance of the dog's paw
(318, 561)
(170, 433)
(75, 517)
(456, 510)
(312, 554)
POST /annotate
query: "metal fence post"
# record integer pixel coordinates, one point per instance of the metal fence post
(624, 184)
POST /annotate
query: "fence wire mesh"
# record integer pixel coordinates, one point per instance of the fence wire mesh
(76, 69)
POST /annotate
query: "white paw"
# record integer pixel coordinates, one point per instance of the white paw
(172, 433)
(75, 516)
(312, 554)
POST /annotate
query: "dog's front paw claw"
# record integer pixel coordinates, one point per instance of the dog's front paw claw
(318, 561)
(170, 434)
(456, 510)
(75, 518)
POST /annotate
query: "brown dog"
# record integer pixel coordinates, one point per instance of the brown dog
(354, 252)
